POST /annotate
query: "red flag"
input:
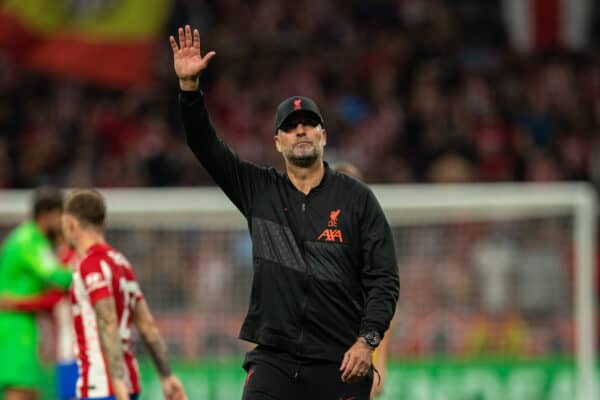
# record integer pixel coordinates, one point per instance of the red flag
(109, 43)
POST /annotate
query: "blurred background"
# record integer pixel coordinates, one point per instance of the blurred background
(412, 91)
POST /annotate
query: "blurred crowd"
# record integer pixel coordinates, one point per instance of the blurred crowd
(469, 289)
(474, 289)
(411, 91)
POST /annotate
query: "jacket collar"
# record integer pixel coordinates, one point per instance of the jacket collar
(324, 181)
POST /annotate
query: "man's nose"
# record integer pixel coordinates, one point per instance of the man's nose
(300, 129)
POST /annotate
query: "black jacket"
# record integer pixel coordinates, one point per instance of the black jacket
(324, 264)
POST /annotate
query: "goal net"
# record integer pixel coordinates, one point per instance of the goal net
(497, 295)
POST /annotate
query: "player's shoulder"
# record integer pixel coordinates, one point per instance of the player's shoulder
(100, 251)
(117, 257)
(27, 234)
(25, 240)
(94, 256)
(90, 262)
(14, 238)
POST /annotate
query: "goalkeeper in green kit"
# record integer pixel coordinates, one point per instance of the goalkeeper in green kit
(31, 279)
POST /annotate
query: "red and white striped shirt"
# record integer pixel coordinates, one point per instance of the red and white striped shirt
(102, 273)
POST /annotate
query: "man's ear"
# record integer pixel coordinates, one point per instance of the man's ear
(276, 140)
(69, 222)
(324, 136)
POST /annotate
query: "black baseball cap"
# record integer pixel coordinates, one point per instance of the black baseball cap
(295, 104)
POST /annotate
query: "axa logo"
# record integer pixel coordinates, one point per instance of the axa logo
(332, 233)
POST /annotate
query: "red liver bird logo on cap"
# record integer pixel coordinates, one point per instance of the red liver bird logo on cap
(297, 104)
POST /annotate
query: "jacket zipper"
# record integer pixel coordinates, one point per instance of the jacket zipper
(305, 300)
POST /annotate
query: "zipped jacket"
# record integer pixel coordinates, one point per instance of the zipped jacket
(325, 269)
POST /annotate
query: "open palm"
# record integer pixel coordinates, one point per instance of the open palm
(187, 58)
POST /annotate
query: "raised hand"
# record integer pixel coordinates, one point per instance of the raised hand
(187, 58)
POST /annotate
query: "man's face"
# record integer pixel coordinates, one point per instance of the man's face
(53, 224)
(301, 139)
(69, 226)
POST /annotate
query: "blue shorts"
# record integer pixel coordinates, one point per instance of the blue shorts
(66, 380)
(134, 396)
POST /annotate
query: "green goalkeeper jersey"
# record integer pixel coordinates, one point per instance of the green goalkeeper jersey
(28, 267)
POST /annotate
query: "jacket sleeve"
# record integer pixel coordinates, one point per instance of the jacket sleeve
(239, 179)
(379, 276)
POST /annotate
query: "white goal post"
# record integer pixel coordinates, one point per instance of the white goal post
(403, 205)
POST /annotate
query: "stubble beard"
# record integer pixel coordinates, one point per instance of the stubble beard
(304, 160)
(53, 235)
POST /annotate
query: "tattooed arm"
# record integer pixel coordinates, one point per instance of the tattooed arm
(144, 322)
(108, 330)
